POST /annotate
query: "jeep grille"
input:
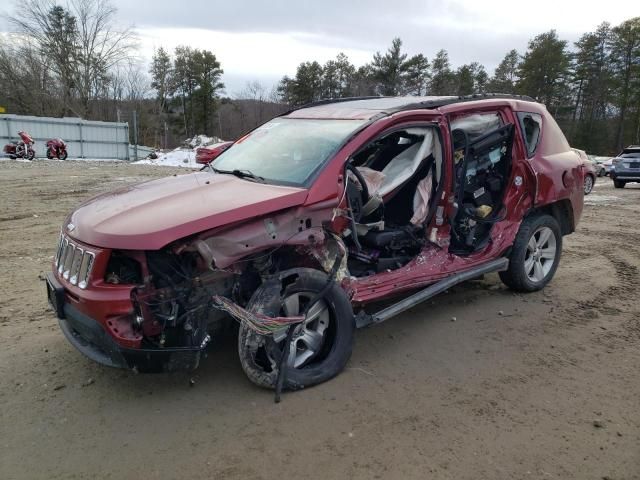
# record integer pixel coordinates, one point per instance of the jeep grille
(73, 262)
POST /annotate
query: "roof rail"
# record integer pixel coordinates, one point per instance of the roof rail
(435, 103)
(327, 101)
(463, 98)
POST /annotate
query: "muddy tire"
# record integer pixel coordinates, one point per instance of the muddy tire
(619, 183)
(332, 320)
(535, 254)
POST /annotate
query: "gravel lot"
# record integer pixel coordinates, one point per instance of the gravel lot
(538, 386)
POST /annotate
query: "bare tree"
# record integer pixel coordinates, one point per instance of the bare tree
(81, 42)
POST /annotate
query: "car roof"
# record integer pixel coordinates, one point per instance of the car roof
(368, 108)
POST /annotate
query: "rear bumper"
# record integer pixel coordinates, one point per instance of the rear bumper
(627, 176)
(89, 337)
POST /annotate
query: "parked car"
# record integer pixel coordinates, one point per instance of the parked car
(204, 155)
(308, 219)
(597, 164)
(589, 171)
(626, 167)
(607, 164)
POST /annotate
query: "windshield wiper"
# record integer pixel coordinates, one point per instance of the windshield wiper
(240, 174)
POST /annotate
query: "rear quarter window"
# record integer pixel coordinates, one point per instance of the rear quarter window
(531, 127)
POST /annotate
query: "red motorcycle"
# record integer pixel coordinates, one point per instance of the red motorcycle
(21, 149)
(56, 148)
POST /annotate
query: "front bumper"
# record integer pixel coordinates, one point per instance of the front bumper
(90, 338)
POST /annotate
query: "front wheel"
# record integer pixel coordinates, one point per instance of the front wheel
(588, 184)
(535, 254)
(63, 155)
(619, 183)
(31, 154)
(320, 346)
(49, 154)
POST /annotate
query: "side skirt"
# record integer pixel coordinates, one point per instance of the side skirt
(364, 319)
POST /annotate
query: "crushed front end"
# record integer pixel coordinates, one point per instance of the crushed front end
(147, 311)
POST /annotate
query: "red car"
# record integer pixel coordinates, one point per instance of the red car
(307, 220)
(205, 155)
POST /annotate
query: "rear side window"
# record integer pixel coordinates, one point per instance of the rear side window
(531, 126)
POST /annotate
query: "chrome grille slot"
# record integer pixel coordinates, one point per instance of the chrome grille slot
(85, 269)
(68, 259)
(73, 262)
(59, 251)
(75, 266)
(63, 253)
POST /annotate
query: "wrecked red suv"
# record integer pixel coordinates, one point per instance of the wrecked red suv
(304, 222)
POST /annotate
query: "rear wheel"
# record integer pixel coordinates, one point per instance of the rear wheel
(535, 255)
(619, 183)
(320, 346)
(588, 184)
(63, 155)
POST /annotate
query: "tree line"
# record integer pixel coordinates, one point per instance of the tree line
(77, 60)
(592, 87)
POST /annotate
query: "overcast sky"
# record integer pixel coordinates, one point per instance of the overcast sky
(264, 40)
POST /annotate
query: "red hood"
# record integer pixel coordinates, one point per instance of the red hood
(150, 215)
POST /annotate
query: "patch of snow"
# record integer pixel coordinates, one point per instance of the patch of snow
(595, 199)
(179, 157)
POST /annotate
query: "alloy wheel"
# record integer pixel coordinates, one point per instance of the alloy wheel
(540, 255)
(588, 184)
(309, 337)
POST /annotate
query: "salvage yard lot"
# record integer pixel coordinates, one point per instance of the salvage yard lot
(544, 385)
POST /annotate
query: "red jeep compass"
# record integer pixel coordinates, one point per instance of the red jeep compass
(304, 222)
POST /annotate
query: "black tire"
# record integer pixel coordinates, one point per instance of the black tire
(619, 183)
(31, 155)
(63, 156)
(49, 154)
(589, 182)
(253, 348)
(515, 277)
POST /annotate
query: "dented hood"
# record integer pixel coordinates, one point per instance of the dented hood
(150, 215)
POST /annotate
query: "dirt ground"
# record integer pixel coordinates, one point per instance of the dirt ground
(545, 385)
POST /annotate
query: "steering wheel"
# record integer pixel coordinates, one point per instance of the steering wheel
(364, 193)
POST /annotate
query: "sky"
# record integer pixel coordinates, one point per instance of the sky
(264, 40)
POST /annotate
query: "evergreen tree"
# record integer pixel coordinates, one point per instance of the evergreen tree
(160, 76)
(443, 80)
(471, 78)
(337, 77)
(388, 70)
(506, 75)
(625, 59)
(207, 74)
(591, 84)
(544, 70)
(416, 75)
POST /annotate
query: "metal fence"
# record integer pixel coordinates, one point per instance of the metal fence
(84, 138)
